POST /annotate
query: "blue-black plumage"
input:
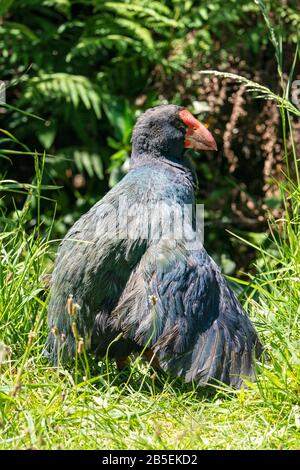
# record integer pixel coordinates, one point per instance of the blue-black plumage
(124, 294)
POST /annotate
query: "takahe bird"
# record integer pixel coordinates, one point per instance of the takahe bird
(157, 294)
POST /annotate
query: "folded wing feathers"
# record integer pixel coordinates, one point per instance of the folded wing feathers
(197, 327)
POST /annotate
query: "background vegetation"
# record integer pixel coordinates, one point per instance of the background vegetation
(78, 74)
(88, 67)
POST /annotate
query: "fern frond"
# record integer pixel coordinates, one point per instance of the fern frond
(85, 160)
(17, 30)
(137, 30)
(89, 46)
(130, 9)
(73, 89)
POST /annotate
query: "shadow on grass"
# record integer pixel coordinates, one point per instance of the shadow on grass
(140, 377)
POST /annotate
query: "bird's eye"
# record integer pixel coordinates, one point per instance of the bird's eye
(179, 124)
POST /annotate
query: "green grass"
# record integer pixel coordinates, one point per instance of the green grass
(44, 408)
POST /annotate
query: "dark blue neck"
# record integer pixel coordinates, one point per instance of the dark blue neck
(181, 170)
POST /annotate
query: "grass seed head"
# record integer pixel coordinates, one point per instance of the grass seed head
(31, 336)
(55, 331)
(153, 299)
(80, 346)
(75, 331)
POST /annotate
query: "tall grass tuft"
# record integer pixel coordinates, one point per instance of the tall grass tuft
(274, 294)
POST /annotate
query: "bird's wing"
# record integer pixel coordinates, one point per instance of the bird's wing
(93, 265)
(178, 304)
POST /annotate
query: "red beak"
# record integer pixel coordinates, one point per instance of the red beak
(197, 136)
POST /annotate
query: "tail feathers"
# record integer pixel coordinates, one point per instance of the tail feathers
(217, 355)
(196, 326)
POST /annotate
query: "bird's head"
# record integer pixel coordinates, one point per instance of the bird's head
(166, 131)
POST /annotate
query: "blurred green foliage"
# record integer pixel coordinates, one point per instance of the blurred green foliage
(89, 67)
